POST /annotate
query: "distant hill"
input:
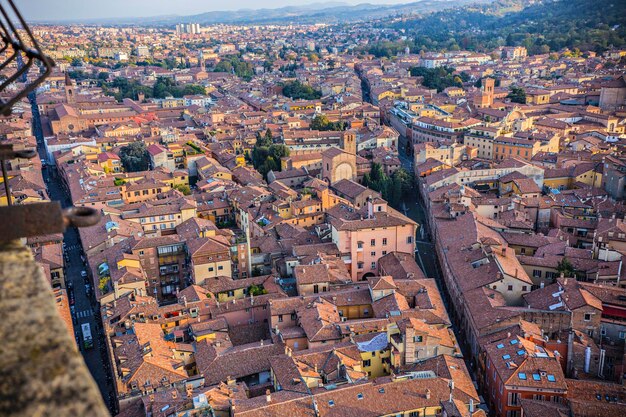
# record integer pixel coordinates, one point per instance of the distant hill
(328, 12)
(323, 13)
(540, 25)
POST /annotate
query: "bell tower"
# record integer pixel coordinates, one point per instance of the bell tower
(201, 60)
(348, 142)
(69, 89)
(489, 85)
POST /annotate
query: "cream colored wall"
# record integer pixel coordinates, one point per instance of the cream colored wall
(201, 271)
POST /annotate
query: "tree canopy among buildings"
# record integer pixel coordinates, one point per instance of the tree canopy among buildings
(295, 90)
(135, 157)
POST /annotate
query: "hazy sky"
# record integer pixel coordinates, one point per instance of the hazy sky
(87, 9)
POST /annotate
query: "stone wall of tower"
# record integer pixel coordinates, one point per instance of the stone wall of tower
(348, 142)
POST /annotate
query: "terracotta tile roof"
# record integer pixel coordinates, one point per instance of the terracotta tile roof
(369, 399)
(583, 398)
(209, 326)
(564, 294)
(331, 272)
(346, 218)
(536, 408)
(522, 363)
(350, 189)
(319, 319)
(221, 284)
(193, 293)
(205, 245)
(448, 367)
(381, 283)
(147, 358)
(400, 265)
(609, 295)
(390, 305)
(234, 362)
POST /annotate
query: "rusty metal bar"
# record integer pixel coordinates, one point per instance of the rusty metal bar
(38, 219)
(5, 178)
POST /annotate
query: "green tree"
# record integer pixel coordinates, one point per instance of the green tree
(223, 66)
(235, 64)
(406, 180)
(103, 284)
(517, 95)
(278, 151)
(169, 63)
(483, 27)
(321, 122)
(193, 89)
(256, 289)
(295, 90)
(367, 180)
(77, 75)
(437, 78)
(264, 140)
(267, 158)
(266, 155)
(183, 188)
(392, 189)
(135, 157)
(125, 88)
(566, 268)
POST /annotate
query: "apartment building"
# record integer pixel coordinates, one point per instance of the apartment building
(162, 217)
(518, 368)
(367, 234)
(208, 259)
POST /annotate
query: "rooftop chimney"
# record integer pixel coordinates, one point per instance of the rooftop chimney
(268, 396)
(428, 394)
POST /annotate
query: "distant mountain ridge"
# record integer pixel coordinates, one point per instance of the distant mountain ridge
(541, 26)
(329, 12)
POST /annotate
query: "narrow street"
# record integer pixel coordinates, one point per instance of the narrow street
(85, 308)
(425, 255)
(413, 208)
